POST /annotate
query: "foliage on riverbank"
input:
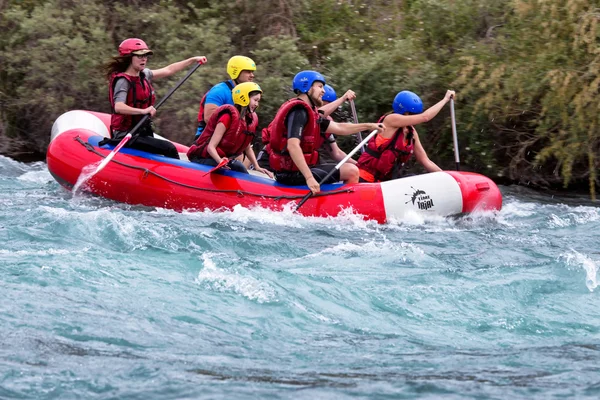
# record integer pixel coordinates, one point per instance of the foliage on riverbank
(526, 71)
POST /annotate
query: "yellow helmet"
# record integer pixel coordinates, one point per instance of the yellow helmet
(241, 93)
(237, 64)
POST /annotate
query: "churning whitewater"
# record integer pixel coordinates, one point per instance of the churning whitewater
(105, 300)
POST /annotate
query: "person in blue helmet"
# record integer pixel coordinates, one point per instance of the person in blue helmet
(331, 102)
(388, 151)
(330, 151)
(298, 130)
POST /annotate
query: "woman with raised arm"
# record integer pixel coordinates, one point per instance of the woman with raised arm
(132, 96)
(388, 151)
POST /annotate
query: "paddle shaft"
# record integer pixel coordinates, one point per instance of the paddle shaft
(129, 135)
(161, 101)
(338, 166)
(355, 117)
(454, 135)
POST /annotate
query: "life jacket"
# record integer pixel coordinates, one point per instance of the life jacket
(380, 161)
(201, 122)
(140, 95)
(235, 139)
(275, 137)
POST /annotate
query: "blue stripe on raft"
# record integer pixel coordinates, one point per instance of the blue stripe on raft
(94, 140)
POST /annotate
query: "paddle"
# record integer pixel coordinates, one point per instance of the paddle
(338, 166)
(358, 135)
(217, 167)
(454, 135)
(129, 135)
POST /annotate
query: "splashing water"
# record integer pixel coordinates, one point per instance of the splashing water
(86, 173)
(106, 300)
(590, 266)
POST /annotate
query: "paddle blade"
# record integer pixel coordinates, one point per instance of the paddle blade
(220, 165)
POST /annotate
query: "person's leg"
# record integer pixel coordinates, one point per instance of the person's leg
(349, 173)
(155, 146)
(236, 165)
(204, 161)
(321, 171)
(290, 178)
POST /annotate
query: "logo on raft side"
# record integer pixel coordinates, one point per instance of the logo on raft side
(420, 199)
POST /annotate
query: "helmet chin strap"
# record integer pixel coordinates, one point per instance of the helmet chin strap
(312, 103)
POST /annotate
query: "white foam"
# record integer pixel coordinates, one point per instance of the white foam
(583, 215)
(286, 217)
(575, 258)
(40, 177)
(45, 252)
(413, 218)
(558, 222)
(519, 209)
(89, 223)
(223, 281)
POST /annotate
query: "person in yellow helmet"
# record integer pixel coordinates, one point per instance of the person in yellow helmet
(240, 69)
(230, 131)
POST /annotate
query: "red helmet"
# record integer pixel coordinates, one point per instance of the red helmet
(133, 46)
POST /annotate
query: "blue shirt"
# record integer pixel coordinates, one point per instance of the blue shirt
(218, 95)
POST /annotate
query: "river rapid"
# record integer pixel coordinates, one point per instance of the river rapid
(105, 300)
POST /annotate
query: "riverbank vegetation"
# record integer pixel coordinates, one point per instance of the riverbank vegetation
(526, 72)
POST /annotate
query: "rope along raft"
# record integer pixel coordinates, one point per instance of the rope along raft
(240, 193)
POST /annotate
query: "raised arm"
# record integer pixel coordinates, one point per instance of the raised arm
(176, 67)
(327, 109)
(344, 129)
(396, 121)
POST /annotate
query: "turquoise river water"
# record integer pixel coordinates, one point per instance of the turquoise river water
(100, 300)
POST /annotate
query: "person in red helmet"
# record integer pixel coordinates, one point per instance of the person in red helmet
(132, 96)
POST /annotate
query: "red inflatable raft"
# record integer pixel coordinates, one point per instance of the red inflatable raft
(136, 177)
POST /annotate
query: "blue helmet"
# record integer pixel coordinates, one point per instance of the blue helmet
(304, 80)
(406, 101)
(329, 94)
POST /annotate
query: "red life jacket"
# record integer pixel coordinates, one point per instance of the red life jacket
(235, 139)
(380, 161)
(203, 103)
(140, 95)
(275, 136)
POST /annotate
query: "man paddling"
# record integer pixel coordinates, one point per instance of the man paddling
(297, 132)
